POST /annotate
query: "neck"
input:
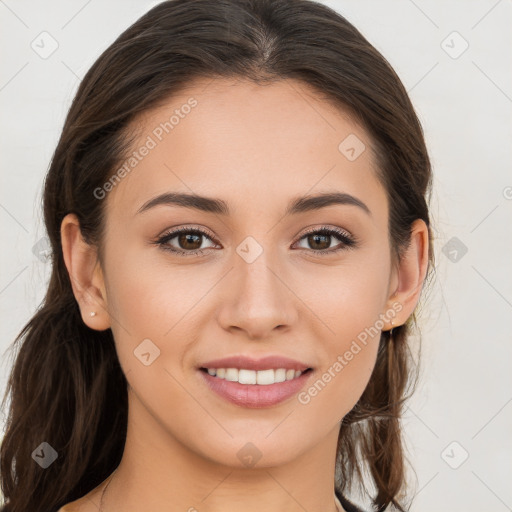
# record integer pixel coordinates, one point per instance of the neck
(162, 474)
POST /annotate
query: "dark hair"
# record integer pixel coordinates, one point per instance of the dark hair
(70, 371)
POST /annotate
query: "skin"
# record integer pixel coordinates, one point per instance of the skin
(255, 147)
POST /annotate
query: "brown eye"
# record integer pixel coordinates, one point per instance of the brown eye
(187, 241)
(320, 240)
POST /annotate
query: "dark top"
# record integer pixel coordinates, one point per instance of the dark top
(346, 504)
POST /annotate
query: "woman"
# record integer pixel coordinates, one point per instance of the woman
(237, 210)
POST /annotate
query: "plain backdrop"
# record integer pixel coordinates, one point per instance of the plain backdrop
(454, 59)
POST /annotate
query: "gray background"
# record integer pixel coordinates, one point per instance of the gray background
(459, 422)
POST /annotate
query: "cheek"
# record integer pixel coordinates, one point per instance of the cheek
(152, 307)
(148, 296)
(150, 299)
(350, 348)
(338, 385)
(349, 303)
(346, 298)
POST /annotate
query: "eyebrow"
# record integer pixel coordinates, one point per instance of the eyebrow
(218, 206)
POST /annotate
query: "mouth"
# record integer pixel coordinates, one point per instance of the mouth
(255, 389)
(255, 377)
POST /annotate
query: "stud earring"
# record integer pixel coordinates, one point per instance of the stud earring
(93, 313)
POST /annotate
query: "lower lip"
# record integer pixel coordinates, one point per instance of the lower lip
(254, 395)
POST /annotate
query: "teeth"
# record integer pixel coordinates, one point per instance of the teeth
(280, 375)
(231, 374)
(265, 377)
(261, 377)
(247, 377)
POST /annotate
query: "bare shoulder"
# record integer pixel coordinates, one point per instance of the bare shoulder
(88, 503)
(67, 508)
(72, 506)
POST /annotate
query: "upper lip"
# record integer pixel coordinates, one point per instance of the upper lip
(249, 363)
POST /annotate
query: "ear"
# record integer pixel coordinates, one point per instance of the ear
(410, 274)
(85, 273)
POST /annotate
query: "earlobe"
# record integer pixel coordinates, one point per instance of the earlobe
(85, 274)
(412, 271)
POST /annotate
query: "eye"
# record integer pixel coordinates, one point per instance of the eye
(320, 240)
(187, 239)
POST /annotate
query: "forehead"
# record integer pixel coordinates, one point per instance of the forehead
(253, 145)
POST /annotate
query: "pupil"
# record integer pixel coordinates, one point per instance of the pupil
(186, 238)
(317, 237)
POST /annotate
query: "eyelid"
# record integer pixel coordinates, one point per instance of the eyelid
(325, 227)
(171, 233)
(186, 228)
(347, 240)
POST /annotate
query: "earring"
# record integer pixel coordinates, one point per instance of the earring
(93, 313)
(391, 330)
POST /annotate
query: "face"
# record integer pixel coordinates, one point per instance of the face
(257, 274)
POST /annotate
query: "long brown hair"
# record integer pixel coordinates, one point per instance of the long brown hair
(66, 386)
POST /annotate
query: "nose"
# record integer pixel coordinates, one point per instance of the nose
(257, 299)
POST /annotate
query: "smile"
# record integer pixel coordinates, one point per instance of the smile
(255, 388)
(260, 377)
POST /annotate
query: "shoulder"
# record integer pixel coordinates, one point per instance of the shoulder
(69, 507)
(347, 505)
(87, 503)
(80, 505)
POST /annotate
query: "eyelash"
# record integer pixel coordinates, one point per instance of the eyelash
(348, 241)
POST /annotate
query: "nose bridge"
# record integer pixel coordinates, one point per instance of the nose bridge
(258, 300)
